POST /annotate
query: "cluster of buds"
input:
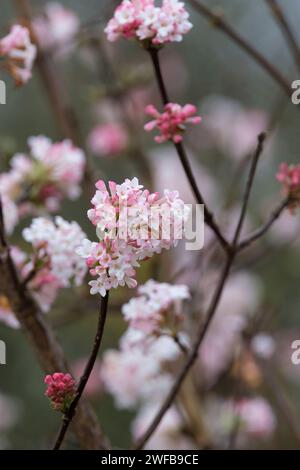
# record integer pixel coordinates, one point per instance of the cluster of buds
(60, 390)
(172, 122)
(144, 21)
(289, 176)
(19, 53)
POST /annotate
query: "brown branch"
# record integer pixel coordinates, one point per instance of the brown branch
(230, 257)
(286, 30)
(264, 228)
(219, 22)
(208, 216)
(43, 341)
(69, 415)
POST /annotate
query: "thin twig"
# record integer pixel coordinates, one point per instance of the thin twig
(68, 416)
(286, 30)
(265, 227)
(219, 22)
(208, 216)
(230, 257)
(63, 111)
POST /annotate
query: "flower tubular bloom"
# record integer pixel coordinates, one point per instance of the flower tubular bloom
(171, 124)
(19, 53)
(132, 225)
(144, 21)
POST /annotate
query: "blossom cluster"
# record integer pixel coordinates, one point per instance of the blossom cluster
(40, 180)
(171, 124)
(138, 371)
(52, 265)
(56, 27)
(289, 176)
(158, 309)
(143, 20)
(131, 226)
(60, 390)
(19, 53)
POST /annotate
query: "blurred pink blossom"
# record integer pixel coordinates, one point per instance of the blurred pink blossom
(56, 27)
(108, 140)
(171, 123)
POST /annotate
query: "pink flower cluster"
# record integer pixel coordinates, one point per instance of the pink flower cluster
(40, 180)
(54, 245)
(130, 225)
(143, 20)
(289, 176)
(19, 53)
(60, 390)
(108, 140)
(43, 286)
(158, 309)
(56, 27)
(171, 123)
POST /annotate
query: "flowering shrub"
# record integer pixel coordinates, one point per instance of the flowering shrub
(129, 228)
(171, 123)
(60, 390)
(42, 179)
(143, 20)
(19, 53)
